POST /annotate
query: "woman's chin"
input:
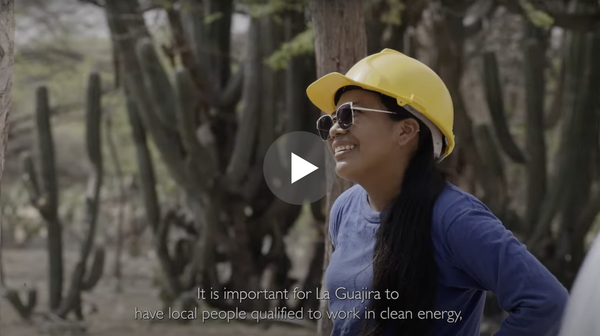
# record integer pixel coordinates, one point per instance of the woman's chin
(345, 170)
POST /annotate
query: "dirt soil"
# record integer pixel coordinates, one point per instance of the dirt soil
(109, 313)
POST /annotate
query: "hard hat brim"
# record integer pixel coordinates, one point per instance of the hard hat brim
(322, 92)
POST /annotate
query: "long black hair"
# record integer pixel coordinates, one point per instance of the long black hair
(403, 257)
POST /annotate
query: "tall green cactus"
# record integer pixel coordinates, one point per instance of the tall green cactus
(213, 152)
(209, 26)
(494, 182)
(45, 199)
(246, 137)
(568, 198)
(495, 101)
(489, 151)
(146, 167)
(583, 145)
(569, 148)
(47, 203)
(82, 280)
(535, 142)
(158, 84)
(535, 159)
(150, 197)
(200, 169)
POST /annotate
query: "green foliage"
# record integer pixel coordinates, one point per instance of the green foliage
(394, 14)
(212, 18)
(163, 3)
(537, 17)
(301, 44)
(269, 8)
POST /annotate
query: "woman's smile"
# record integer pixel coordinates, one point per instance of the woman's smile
(342, 149)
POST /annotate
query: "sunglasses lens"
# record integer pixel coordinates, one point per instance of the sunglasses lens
(344, 116)
(324, 124)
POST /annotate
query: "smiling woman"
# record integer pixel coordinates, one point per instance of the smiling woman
(403, 228)
(372, 137)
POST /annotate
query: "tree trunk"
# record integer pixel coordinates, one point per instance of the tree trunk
(7, 38)
(336, 22)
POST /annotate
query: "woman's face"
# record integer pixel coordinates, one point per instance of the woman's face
(371, 145)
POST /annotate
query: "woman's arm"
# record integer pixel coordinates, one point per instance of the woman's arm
(489, 253)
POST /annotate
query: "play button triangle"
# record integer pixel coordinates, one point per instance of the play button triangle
(301, 168)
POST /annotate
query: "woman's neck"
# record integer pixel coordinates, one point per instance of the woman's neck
(383, 188)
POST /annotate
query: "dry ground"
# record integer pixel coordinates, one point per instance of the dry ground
(26, 268)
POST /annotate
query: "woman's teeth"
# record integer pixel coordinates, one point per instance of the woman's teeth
(341, 149)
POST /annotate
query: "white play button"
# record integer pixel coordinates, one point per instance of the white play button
(301, 168)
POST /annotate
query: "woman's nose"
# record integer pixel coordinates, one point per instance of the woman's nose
(335, 130)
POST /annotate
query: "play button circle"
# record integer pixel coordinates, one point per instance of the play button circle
(299, 167)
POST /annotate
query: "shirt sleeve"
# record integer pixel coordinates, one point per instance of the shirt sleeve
(490, 254)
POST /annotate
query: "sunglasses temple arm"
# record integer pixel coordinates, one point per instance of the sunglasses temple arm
(372, 110)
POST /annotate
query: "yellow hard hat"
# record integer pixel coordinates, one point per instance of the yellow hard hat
(415, 86)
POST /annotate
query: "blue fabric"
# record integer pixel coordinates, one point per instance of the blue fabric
(474, 253)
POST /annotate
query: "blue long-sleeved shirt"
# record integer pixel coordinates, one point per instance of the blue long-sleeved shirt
(474, 253)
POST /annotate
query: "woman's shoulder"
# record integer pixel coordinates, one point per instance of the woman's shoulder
(463, 222)
(347, 198)
(350, 194)
(453, 203)
(454, 195)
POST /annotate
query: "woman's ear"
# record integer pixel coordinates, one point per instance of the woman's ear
(407, 130)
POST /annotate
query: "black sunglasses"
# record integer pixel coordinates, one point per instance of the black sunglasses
(344, 116)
